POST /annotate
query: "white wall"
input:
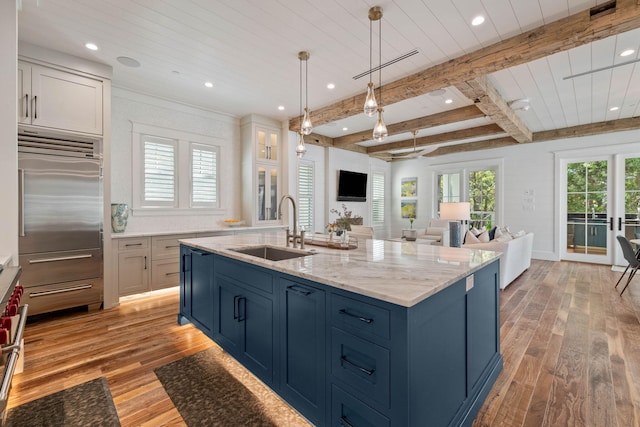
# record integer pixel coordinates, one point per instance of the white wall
(128, 107)
(8, 130)
(526, 168)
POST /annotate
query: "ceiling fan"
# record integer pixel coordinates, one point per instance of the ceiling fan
(412, 155)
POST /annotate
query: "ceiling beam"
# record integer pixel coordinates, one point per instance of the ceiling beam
(490, 102)
(473, 146)
(452, 116)
(325, 141)
(425, 141)
(561, 35)
(589, 129)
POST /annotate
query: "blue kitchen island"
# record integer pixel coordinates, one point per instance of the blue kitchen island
(388, 334)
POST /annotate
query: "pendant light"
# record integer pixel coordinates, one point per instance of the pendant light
(370, 104)
(380, 129)
(305, 125)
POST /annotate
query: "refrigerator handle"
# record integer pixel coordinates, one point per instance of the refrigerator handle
(21, 201)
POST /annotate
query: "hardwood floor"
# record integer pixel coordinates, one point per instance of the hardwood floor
(571, 348)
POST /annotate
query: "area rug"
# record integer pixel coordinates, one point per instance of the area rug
(205, 393)
(87, 404)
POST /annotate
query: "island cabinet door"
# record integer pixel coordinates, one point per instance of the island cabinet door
(201, 293)
(244, 326)
(303, 347)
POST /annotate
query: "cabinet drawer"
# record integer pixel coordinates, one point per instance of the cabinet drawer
(133, 243)
(59, 296)
(250, 276)
(346, 410)
(165, 273)
(164, 247)
(361, 364)
(360, 316)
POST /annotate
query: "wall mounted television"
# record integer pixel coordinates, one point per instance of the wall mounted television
(352, 186)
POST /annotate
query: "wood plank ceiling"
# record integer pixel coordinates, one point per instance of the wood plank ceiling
(525, 49)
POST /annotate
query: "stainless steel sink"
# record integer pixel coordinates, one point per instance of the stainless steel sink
(272, 253)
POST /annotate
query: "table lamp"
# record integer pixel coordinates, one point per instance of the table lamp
(459, 212)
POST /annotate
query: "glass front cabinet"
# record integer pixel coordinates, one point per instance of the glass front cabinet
(261, 170)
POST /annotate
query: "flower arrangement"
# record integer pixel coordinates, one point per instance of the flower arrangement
(332, 227)
(345, 218)
(411, 223)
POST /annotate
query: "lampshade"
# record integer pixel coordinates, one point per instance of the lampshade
(455, 210)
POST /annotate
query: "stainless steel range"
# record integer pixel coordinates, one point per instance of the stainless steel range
(60, 220)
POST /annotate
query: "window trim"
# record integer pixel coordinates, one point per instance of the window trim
(183, 159)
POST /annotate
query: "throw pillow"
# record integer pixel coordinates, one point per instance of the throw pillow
(504, 238)
(484, 237)
(498, 233)
(492, 233)
(470, 237)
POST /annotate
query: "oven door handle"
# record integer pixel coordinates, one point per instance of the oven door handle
(12, 359)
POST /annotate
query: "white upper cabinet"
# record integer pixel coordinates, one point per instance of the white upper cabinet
(57, 99)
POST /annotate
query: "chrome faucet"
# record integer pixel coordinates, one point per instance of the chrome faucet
(295, 235)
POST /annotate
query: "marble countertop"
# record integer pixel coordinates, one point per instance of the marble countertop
(402, 273)
(128, 234)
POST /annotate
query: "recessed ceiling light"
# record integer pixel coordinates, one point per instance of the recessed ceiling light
(614, 108)
(128, 62)
(477, 20)
(331, 86)
(280, 107)
(208, 84)
(627, 52)
(345, 129)
(448, 101)
(91, 46)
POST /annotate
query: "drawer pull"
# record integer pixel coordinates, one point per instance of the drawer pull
(171, 246)
(172, 273)
(133, 244)
(59, 291)
(300, 291)
(344, 421)
(360, 318)
(64, 258)
(358, 367)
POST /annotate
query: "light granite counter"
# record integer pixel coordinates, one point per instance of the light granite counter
(225, 229)
(400, 273)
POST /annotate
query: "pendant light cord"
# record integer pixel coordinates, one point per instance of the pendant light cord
(370, 48)
(380, 60)
(306, 85)
(301, 117)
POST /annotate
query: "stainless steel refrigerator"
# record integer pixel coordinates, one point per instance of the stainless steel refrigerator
(60, 220)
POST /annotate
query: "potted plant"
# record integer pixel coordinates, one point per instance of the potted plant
(411, 235)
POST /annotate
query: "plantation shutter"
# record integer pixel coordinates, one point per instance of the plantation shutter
(378, 198)
(159, 171)
(305, 196)
(204, 176)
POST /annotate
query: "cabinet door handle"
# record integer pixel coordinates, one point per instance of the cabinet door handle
(21, 202)
(35, 106)
(360, 318)
(237, 313)
(145, 262)
(344, 421)
(300, 290)
(172, 246)
(26, 105)
(619, 224)
(358, 367)
(611, 223)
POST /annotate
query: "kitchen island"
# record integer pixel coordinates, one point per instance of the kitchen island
(386, 334)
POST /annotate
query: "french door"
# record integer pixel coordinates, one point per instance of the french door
(601, 200)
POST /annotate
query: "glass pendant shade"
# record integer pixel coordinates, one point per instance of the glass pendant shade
(380, 130)
(307, 127)
(370, 104)
(301, 149)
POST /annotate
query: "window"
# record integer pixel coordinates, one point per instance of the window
(159, 171)
(174, 172)
(478, 185)
(377, 207)
(305, 196)
(204, 176)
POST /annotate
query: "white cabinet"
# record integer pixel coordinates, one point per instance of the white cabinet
(133, 265)
(165, 260)
(261, 170)
(57, 99)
